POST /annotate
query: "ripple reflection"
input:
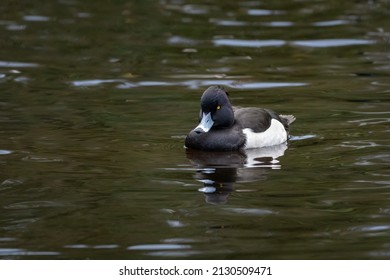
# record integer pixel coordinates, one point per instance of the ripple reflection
(192, 84)
(219, 171)
(327, 43)
(23, 252)
(14, 64)
(248, 43)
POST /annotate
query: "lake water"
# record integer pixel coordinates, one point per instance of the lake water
(96, 98)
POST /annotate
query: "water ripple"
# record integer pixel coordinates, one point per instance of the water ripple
(148, 247)
(5, 152)
(374, 160)
(195, 9)
(174, 254)
(250, 211)
(327, 43)
(303, 137)
(36, 18)
(14, 64)
(32, 205)
(41, 159)
(175, 223)
(321, 43)
(362, 144)
(370, 113)
(192, 84)
(95, 82)
(84, 246)
(331, 23)
(263, 12)
(181, 240)
(373, 228)
(9, 183)
(15, 27)
(179, 40)
(248, 43)
(371, 121)
(228, 22)
(259, 85)
(23, 252)
(278, 23)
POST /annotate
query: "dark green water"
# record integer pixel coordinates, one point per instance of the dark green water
(96, 98)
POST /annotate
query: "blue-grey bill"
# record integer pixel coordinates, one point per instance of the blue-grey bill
(206, 123)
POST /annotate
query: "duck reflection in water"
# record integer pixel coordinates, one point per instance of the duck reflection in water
(218, 171)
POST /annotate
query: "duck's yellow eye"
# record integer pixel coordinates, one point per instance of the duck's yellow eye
(218, 107)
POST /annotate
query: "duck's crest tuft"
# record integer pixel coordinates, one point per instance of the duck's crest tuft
(289, 119)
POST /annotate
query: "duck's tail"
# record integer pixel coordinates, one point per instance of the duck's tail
(288, 119)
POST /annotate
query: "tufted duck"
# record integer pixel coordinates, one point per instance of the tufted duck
(226, 128)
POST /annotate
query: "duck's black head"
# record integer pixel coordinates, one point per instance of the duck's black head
(216, 130)
(216, 110)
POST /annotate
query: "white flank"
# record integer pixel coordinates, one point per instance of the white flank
(274, 135)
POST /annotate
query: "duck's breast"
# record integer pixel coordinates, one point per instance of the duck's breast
(222, 139)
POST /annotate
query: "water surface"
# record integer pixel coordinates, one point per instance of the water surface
(96, 100)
